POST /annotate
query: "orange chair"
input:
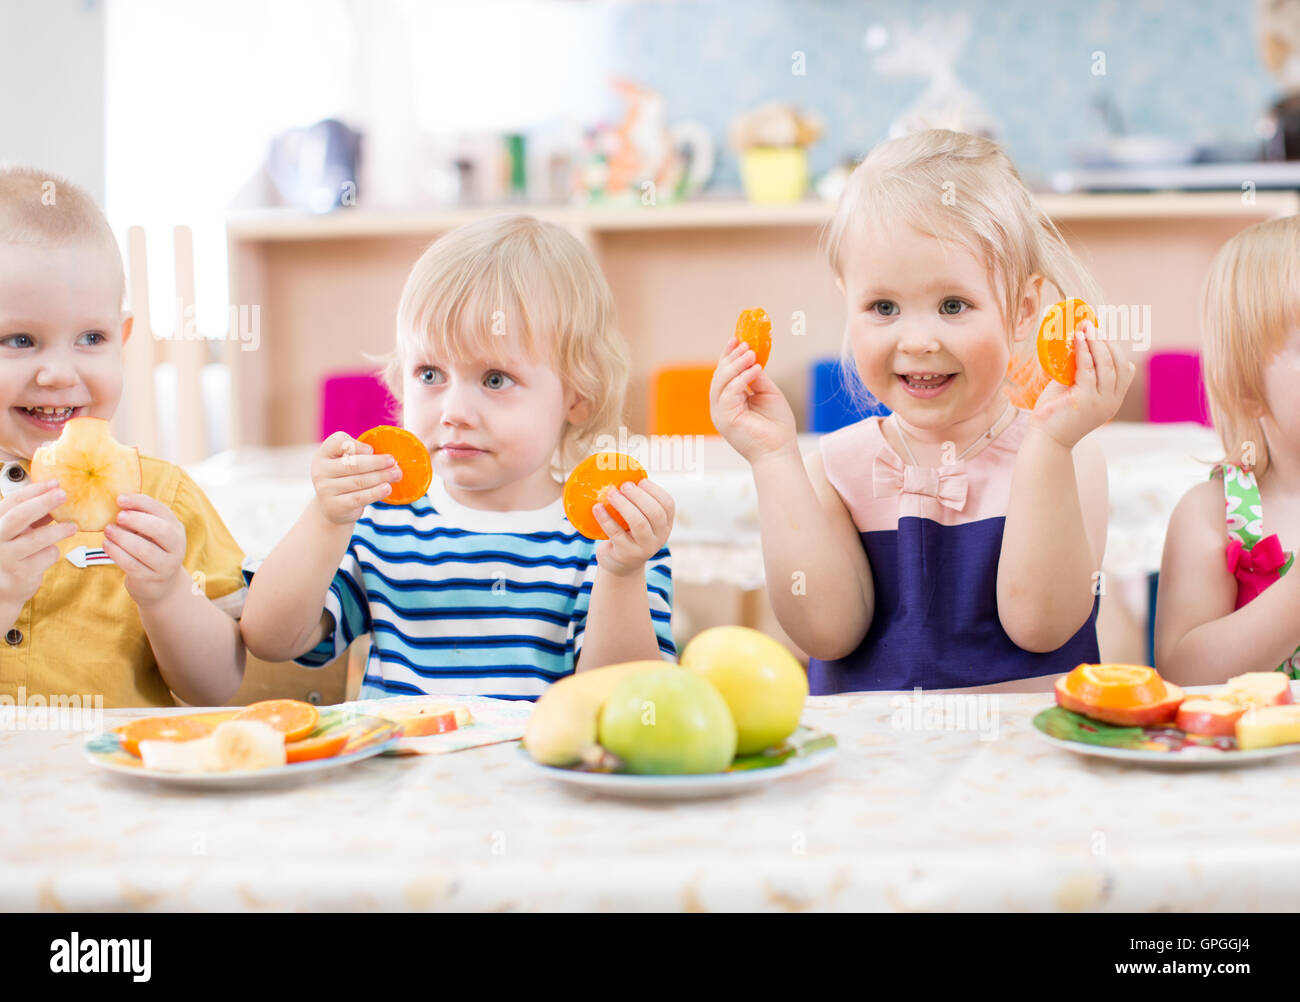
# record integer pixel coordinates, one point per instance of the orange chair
(679, 400)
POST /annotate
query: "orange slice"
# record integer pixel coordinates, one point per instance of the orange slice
(291, 717)
(1056, 338)
(325, 746)
(590, 482)
(161, 729)
(754, 328)
(92, 468)
(1118, 685)
(412, 459)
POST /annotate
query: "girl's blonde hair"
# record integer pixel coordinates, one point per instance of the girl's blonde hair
(963, 188)
(1249, 305)
(527, 283)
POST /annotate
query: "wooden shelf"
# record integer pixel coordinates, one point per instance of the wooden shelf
(290, 224)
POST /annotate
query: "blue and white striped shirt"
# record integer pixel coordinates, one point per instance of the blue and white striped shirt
(463, 601)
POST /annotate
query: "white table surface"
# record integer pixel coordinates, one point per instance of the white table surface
(901, 820)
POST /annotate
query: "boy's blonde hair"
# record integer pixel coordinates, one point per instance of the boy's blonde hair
(40, 208)
(535, 283)
(962, 188)
(1249, 304)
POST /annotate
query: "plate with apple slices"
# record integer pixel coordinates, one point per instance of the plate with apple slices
(262, 744)
(1128, 712)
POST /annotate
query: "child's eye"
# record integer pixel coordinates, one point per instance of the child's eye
(428, 375)
(884, 308)
(953, 307)
(92, 338)
(497, 380)
(17, 341)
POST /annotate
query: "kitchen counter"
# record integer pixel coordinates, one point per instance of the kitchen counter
(900, 820)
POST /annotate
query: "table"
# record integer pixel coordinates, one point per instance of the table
(901, 820)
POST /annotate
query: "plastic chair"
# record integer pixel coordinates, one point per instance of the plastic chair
(679, 400)
(1175, 389)
(354, 402)
(831, 402)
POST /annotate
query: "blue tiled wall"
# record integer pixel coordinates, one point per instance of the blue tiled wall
(1188, 69)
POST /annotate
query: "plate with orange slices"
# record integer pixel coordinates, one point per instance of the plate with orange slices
(1128, 712)
(263, 743)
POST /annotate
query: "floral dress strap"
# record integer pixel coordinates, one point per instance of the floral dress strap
(1255, 560)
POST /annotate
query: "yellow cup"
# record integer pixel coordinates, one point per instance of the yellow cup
(774, 174)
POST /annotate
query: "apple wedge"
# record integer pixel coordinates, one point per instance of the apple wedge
(1256, 688)
(1267, 726)
(92, 469)
(1210, 717)
(421, 721)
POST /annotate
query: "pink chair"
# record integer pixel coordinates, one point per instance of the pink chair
(353, 402)
(1175, 389)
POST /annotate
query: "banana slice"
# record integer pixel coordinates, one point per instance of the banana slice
(199, 755)
(248, 744)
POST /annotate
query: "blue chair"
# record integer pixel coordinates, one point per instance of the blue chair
(831, 403)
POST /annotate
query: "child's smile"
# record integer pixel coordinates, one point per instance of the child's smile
(61, 335)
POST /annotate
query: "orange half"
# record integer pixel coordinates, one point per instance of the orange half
(589, 483)
(161, 729)
(291, 717)
(1056, 338)
(1116, 685)
(412, 459)
(754, 328)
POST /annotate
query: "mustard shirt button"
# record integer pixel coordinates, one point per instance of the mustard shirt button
(14, 637)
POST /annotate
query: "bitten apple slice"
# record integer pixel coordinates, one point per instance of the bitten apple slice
(421, 721)
(1211, 717)
(1256, 688)
(1266, 726)
(92, 469)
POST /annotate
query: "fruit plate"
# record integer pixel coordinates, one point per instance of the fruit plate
(803, 751)
(1159, 746)
(367, 736)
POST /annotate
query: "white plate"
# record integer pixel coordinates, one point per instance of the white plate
(1188, 758)
(715, 784)
(372, 736)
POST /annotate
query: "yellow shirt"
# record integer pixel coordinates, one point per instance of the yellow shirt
(81, 634)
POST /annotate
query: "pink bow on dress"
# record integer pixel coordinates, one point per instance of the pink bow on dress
(1255, 569)
(889, 477)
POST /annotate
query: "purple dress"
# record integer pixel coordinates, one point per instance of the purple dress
(933, 537)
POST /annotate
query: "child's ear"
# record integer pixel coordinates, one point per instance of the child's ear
(579, 409)
(1029, 307)
(128, 323)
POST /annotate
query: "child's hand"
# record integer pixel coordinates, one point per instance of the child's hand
(757, 424)
(29, 541)
(148, 542)
(648, 511)
(1102, 377)
(348, 476)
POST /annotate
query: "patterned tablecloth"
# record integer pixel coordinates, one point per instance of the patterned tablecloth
(903, 819)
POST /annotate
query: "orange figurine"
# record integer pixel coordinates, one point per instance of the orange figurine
(412, 459)
(1056, 338)
(589, 484)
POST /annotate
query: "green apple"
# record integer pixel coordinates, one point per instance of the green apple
(763, 683)
(668, 722)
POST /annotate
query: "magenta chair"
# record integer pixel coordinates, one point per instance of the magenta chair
(354, 402)
(1175, 389)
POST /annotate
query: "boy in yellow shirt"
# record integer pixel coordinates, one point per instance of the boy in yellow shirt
(147, 609)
